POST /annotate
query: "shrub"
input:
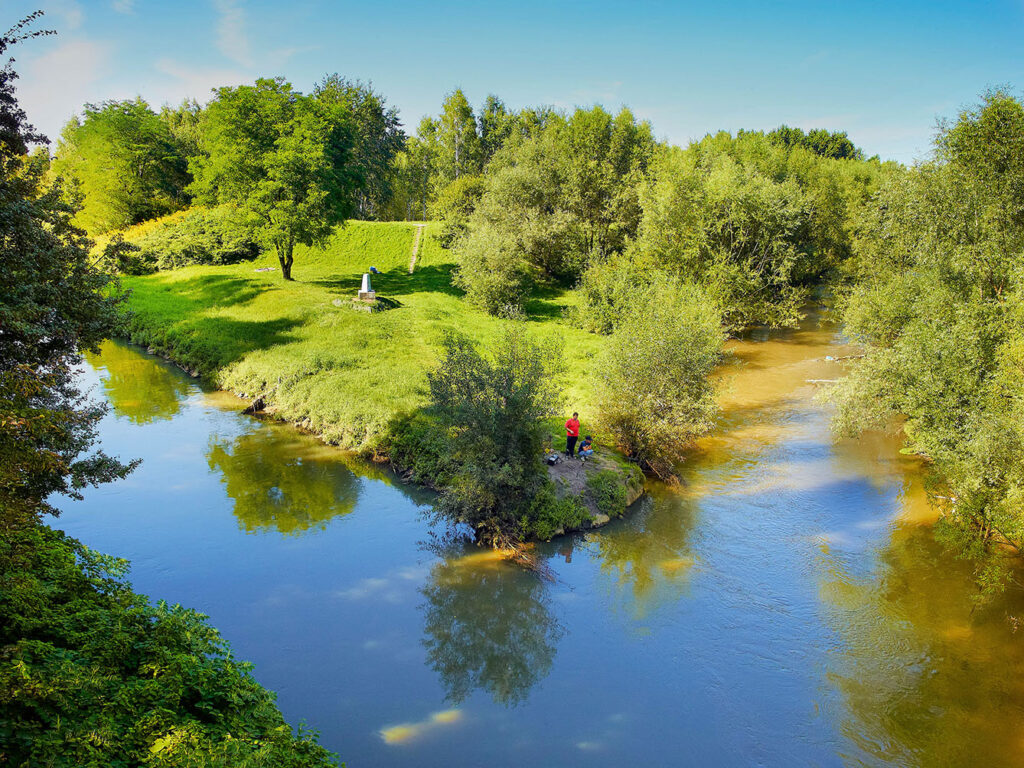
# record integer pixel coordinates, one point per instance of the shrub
(92, 674)
(419, 446)
(492, 272)
(118, 255)
(494, 411)
(200, 236)
(605, 488)
(606, 290)
(454, 205)
(655, 393)
(550, 514)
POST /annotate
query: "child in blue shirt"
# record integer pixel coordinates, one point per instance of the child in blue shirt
(586, 448)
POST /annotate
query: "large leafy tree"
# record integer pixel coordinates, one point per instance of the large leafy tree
(286, 160)
(53, 303)
(377, 141)
(656, 394)
(125, 163)
(561, 192)
(493, 410)
(459, 149)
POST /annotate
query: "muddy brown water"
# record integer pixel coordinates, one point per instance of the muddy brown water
(786, 605)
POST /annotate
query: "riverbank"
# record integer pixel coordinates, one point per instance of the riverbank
(299, 352)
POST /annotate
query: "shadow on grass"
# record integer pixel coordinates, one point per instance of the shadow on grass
(217, 290)
(540, 310)
(398, 282)
(228, 340)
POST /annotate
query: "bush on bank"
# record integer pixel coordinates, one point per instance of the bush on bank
(92, 674)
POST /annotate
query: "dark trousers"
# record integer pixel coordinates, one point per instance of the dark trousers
(570, 444)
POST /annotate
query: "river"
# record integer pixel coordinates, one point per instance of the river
(785, 605)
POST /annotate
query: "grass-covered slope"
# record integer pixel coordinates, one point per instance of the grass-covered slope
(341, 373)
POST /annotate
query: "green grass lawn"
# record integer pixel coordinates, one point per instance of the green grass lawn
(341, 373)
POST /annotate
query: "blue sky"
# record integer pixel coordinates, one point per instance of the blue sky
(883, 71)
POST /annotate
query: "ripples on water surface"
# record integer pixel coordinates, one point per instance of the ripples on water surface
(785, 606)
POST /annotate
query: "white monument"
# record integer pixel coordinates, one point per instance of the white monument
(366, 293)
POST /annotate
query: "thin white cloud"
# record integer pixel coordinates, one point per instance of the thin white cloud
(54, 86)
(187, 82)
(67, 14)
(232, 40)
(123, 6)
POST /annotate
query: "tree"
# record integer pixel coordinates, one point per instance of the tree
(937, 297)
(836, 145)
(495, 126)
(125, 164)
(559, 194)
(605, 158)
(458, 142)
(656, 395)
(284, 159)
(378, 139)
(493, 410)
(53, 303)
(184, 124)
(756, 224)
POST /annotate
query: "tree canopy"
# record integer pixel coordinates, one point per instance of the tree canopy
(125, 165)
(935, 292)
(283, 159)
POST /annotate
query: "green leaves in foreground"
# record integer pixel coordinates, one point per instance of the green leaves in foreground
(92, 675)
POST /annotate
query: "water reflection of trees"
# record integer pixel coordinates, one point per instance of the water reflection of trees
(649, 554)
(139, 387)
(927, 677)
(488, 625)
(284, 480)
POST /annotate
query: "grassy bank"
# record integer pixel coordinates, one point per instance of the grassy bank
(340, 373)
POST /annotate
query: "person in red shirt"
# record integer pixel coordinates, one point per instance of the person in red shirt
(572, 433)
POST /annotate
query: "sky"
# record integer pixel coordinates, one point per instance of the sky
(885, 72)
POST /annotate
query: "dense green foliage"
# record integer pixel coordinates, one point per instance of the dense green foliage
(493, 412)
(836, 145)
(197, 236)
(284, 160)
(655, 395)
(936, 295)
(553, 200)
(52, 303)
(608, 492)
(377, 140)
(756, 224)
(92, 674)
(124, 163)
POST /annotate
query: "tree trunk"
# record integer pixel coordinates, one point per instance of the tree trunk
(284, 256)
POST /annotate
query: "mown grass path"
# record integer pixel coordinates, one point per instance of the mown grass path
(416, 247)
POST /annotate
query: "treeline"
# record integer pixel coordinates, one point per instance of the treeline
(527, 197)
(591, 200)
(935, 292)
(128, 163)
